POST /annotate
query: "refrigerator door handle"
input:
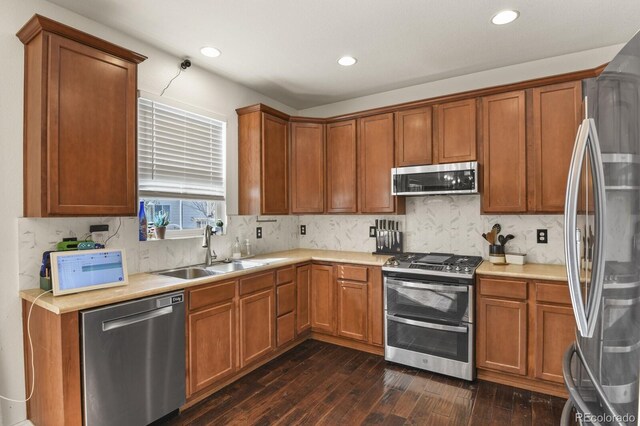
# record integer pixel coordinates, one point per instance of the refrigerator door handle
(598, 264)
(572, 252)
(574, 393)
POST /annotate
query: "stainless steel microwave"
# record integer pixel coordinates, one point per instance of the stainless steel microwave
(455, 178)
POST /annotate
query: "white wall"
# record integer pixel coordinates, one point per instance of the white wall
(196, 87)
(495, 77)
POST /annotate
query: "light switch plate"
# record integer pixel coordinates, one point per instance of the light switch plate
(372, 232)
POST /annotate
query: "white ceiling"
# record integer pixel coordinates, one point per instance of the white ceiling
(287, 49)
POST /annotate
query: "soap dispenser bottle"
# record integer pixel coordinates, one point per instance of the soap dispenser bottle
(235, 249)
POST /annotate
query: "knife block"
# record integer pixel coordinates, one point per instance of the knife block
(388, 242)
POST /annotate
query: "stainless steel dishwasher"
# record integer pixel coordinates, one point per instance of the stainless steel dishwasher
(133, 361)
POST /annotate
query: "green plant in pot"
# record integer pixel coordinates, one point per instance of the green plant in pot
(160, 222)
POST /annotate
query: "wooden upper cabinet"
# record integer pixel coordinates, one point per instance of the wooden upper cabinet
(263, 162)
(342, 178)
(504, 153)
(376, 153)
(79, 108)
(414, 137)
(456, 131)
(275, 180)
(307, 167)
(556, 115)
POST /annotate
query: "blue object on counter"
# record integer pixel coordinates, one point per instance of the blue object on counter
(142, 220)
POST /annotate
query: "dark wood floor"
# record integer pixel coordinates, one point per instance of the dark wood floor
(319, 383)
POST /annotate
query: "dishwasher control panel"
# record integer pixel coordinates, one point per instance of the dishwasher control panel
(170, 300)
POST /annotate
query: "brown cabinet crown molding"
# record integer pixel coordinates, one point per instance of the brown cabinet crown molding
(39, 23)
(475, 93)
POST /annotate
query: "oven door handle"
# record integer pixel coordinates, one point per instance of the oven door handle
(425, 286)
(428, 324)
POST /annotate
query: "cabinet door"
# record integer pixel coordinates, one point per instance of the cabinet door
(456, 131)
(376, 307)
(375, 153)
(275, 165)
(554, 332)
(303, 282)
(504, 159)
(352, 310)
(502, 335)
(307, 168)
(257, 323)
(212, 346)
(91, 114)
(322, 299)
(414, 137)
(342, 179)
(557, 111)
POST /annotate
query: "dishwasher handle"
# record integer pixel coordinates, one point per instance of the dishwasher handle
(135, 318)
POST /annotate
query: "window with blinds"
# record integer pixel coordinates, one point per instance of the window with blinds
(180, 153)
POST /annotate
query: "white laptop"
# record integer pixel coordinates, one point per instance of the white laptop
(83, 270)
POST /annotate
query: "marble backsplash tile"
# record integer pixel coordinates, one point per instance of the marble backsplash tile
(37, 235)
(440, 224)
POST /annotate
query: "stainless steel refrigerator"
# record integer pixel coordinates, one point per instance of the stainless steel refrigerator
(602, 248)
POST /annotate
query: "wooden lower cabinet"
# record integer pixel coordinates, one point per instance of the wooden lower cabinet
(286, 326)
(303, 293)
(212, 345)
(352, 310)
(322, 299)
(257, 323)
(523, 329)
(554, 332)
(502, 335)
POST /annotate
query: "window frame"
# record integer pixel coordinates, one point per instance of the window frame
(196, 232)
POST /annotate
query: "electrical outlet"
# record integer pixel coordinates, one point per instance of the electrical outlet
(372, 232)
(542, 236)
(259, 232)
(303, 229)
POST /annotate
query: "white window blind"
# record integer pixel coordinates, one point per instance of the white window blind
(180, 153)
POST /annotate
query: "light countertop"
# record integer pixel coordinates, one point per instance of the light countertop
(147, 284)
(534, 271)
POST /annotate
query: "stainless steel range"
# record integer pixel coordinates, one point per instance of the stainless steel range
(429, 312)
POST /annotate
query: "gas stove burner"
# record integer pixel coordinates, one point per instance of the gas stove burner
(439, 263)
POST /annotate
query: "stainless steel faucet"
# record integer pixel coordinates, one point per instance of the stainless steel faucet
(206, 243)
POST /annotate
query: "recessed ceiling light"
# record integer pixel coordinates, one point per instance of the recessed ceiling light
(211, 52)
(505, 17)
(347, 61)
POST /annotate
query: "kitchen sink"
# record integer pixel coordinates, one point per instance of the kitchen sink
(187, 273)
(192, 272)
(236, 265)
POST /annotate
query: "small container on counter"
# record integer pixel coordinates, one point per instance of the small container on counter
(496, 254)
(516, 258)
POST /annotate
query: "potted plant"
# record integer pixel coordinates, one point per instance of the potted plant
(160, 222)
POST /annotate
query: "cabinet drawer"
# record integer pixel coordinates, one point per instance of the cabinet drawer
(285, 275)
(211, 294)
(256, 282)
(351, 272)
(286, 298)
(510, 289)
(553, 293)
(286, 328)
